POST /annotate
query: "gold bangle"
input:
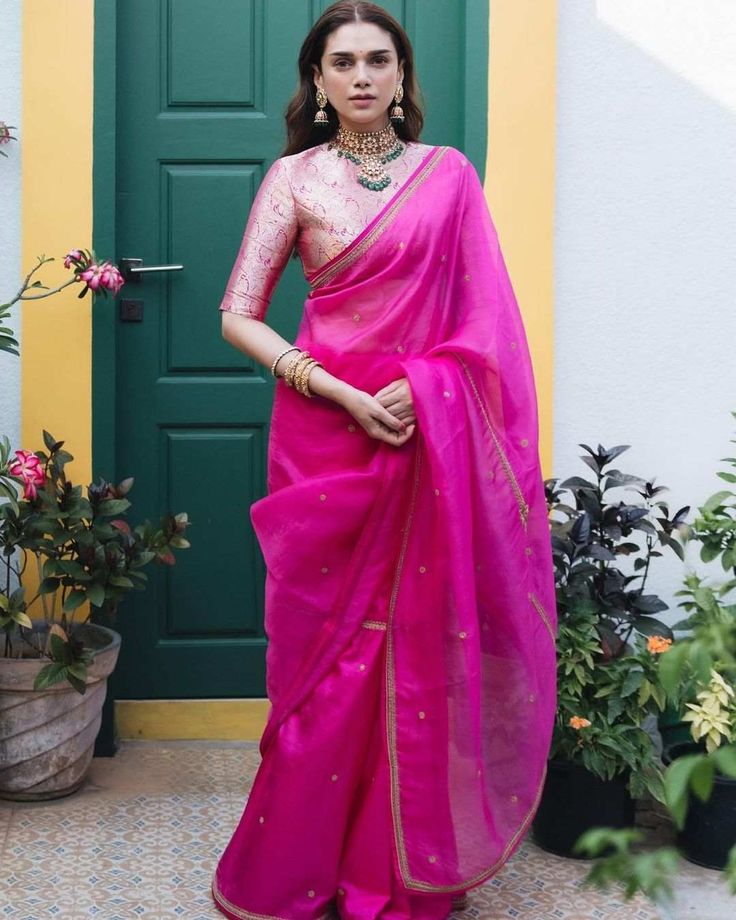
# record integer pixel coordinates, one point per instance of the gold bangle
(303, 378)
(299, 375)
(307, 391)
(291, 369)
(279, 356)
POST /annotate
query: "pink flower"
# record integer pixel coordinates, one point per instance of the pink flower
(74, 256)
(5, 137)
(110, 277)
(91, 276)
(104, 276)
(29, 468)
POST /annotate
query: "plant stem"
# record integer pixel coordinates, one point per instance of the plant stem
(43, 596)
(48, 293)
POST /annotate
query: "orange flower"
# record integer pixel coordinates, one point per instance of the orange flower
(578, 722)
(658, 644)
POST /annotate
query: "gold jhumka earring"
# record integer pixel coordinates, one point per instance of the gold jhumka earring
(397, 113)
(321, 116)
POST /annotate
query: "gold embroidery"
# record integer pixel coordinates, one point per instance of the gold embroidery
(374, 624)
(329, 273)
(543, 613)
(508, 470)
(246, 914)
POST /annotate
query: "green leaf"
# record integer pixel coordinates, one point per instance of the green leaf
(676, 780)
(53, 673)
(75, 599)
(79, 685)
(651, 626)
(78, 669)
(701, 779)
(671, 665)
(715, 501)
(22, 619)
(114, 506)
(725, 759)
(632, 682)
(48, 585)
(96, 595)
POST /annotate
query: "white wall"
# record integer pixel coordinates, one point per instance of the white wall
(645, 246)
(10, 224)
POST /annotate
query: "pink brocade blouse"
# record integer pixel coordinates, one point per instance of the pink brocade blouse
(311, 200)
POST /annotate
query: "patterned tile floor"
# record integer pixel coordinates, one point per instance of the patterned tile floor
(141, 837)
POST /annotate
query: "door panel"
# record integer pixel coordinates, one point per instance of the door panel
(201, 90)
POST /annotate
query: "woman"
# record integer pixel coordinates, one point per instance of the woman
(409, 591)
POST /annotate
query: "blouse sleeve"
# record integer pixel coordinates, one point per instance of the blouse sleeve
(268, 240)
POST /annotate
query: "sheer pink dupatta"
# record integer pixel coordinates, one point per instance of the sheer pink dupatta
(447, 536)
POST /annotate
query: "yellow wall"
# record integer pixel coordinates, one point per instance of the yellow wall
(57, 216)
(520, 174)
(56, 367)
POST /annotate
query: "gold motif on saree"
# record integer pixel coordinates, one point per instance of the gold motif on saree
(543, 614)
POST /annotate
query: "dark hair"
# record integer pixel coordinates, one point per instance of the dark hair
(301, 131)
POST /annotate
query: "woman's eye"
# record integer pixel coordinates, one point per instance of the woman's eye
(379, 60)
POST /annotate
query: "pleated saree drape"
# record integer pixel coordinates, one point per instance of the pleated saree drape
(443, 541)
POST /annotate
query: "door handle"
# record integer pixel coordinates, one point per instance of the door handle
(132, 269)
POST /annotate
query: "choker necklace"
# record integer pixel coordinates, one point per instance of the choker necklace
(369, 149)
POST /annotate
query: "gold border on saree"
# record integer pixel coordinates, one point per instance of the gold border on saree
(505, 463)
(247, 914)
(409, 881)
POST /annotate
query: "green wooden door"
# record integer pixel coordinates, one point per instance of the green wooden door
(201, 88)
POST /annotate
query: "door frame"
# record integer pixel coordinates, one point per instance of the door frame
(104, 319)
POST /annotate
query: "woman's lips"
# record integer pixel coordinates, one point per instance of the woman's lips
(362, 103)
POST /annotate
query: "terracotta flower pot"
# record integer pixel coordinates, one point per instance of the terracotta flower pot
(47, 736)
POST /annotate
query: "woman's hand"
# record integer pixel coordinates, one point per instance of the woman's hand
(377, 421)
(397, 398)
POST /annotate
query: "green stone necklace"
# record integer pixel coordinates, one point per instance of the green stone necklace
(371, 150)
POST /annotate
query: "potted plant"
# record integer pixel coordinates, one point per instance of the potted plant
(699, 676)
(54, 666)
(609, 644)
(700, 777)
(85, 553)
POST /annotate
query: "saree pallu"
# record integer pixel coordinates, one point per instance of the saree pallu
(444, 539)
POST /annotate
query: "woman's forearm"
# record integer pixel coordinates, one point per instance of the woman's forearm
(262, 343)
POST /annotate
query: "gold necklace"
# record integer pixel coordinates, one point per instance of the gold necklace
(369, 149)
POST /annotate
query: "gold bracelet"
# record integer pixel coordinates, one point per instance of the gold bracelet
(291, 370)
(307, 391)
(303, 377)
(280, 356)
(299, 375)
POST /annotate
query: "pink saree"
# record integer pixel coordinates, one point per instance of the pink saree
(442, 542)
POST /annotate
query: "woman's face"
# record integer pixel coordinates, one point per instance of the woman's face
(360, 59)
